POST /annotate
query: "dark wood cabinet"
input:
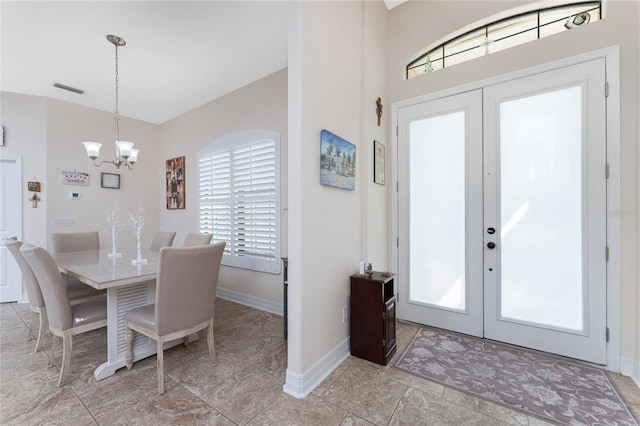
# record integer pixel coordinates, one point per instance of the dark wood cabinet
(373, 316)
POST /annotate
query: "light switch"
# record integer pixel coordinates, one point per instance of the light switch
(62, 221)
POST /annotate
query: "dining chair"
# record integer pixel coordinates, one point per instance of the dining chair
(65, 320)
(185, 300)
(196, 240)
(77, 294)
(162, 239)
(63, 242)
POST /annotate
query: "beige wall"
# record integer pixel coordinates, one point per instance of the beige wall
(336, 71)
(416, 24)
(48, 134)
(260, 105)
(24, 121)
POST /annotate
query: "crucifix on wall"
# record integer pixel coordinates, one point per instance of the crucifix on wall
(379, 110)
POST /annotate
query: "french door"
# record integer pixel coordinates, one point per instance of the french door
(503, 215)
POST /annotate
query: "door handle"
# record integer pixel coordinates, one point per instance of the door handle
(491, 231)
(491, 245)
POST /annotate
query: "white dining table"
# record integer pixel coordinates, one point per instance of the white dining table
(128, 287)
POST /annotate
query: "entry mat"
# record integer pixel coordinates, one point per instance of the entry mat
(546, 387)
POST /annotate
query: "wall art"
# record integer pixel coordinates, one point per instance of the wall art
(337, 161)
(175, 183)
(75, 178)
(378, 162)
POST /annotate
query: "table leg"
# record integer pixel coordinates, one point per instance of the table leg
(121, 300)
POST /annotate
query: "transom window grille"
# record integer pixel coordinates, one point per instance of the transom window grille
(239, 193)
(503, 34)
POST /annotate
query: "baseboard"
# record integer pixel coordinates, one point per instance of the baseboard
(301, 385)
(631, 368)
(253, 301)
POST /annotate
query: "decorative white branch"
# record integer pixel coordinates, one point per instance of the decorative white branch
(114, 226)
(136, 221)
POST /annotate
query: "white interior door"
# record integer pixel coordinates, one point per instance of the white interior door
(10, 226)
(441, 224)
(545, 196)
(502, 212)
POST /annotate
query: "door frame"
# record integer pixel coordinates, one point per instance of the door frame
(18, 161)
(612, 61)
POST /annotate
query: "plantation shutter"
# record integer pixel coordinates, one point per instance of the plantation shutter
(239, 198)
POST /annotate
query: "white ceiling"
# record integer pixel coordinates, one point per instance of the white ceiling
(179, 54)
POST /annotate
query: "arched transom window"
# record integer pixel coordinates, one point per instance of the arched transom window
(503, 34)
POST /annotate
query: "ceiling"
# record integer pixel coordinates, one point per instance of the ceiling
(179, 54)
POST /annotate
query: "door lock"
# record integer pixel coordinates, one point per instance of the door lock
(491, 245)
(491, 231)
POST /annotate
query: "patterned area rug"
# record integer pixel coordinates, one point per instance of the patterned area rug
(542, 386)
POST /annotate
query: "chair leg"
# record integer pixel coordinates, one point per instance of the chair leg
(210, 343)
(53, 351)
(160, 356)
(67, 347)
(42, 326)
(34, 319)
(128, 337)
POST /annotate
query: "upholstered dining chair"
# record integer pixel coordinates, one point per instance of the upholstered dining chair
(77, 294)
(196, 240)
(65, 320)
(162, 239)
(185, 300)
(63, 242)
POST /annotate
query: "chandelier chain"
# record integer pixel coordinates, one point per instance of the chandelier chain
(116, 115)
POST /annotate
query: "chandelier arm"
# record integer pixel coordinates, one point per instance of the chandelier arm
(116, 163)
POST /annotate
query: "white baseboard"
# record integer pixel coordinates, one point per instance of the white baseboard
(631, 368)
(253, 301)
(301, 385)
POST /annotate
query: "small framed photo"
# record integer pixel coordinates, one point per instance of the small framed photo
(110, 180)
(33, 186)
(378, 163)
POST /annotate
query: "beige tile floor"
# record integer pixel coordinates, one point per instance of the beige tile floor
(244, 388)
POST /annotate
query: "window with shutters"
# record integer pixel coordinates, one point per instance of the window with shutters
(239, 193)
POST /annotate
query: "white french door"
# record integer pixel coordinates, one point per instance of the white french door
(441, 214)
(504, 212)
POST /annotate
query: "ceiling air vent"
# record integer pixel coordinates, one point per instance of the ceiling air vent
(69, 88)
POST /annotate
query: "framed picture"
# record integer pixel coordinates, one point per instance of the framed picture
(110, 180)
(33, 186)
(337, 161)
(175, 183)
(378, 163)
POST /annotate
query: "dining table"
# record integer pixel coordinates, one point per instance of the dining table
(128, 286)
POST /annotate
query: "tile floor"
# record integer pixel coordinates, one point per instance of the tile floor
(245, 388)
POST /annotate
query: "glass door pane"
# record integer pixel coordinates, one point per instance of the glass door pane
(437, 211)
(541, 209)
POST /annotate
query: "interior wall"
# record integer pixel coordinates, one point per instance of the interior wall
(48, 134)
(24, 121)
(376, 217)
(416, 24)
(335, 78)
(68, 125)
(260, 105)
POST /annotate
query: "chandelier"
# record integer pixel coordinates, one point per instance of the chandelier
(126, 155)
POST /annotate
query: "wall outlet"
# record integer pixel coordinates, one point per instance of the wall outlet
(345, 314)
